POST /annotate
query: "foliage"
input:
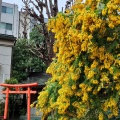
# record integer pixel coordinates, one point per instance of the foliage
(22, 111)
(11, 81)
(86, 69)
(36, 35)
(37, 43)
(45, 50)
(24, 61)
(51, 8)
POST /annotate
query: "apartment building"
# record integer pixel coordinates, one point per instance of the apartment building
(9, 19)
(26, 24)
(0, 7)
(14, 22)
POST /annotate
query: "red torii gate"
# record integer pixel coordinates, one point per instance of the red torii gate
(18, 91)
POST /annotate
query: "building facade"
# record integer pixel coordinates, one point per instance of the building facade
(0, 9)
(26, 24)
(9, 23)
(16, 23)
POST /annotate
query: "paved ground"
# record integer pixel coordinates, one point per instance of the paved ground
(32, 118)
(33, 115)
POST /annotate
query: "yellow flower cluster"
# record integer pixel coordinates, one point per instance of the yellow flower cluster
(87, 62)
(112, 106)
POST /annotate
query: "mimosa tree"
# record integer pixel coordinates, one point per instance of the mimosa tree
(86, 69)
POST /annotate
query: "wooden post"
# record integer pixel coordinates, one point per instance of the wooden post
(28, 104)
(6, 104)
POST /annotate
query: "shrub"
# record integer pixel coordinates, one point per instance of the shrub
(86, 69)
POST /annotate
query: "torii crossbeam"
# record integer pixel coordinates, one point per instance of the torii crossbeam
(18, 90)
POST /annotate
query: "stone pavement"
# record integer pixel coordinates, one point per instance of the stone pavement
(32, 118)
(33, 115)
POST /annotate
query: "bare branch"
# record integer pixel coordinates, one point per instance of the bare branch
(51, 10)
(55, 8)
(51, 7)
(47, 9)
(69, 3)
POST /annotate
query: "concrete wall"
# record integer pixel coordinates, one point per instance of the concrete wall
(6, 45)
(5, 61)
(5, 64)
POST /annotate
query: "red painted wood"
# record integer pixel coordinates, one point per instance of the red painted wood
(18, 90)
(28, 103)
(19, 85)
(6, 104)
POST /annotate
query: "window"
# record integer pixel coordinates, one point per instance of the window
(3, 9)
(6, 26)
(7, 10)
(3, 25)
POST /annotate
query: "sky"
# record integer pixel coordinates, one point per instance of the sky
(61, 3)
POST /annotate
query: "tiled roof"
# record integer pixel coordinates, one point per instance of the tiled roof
(41, 79)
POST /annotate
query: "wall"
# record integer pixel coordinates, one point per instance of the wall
(6, 45)
(10, 18)
(5, 61)
(5, 64)
(0, 8)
